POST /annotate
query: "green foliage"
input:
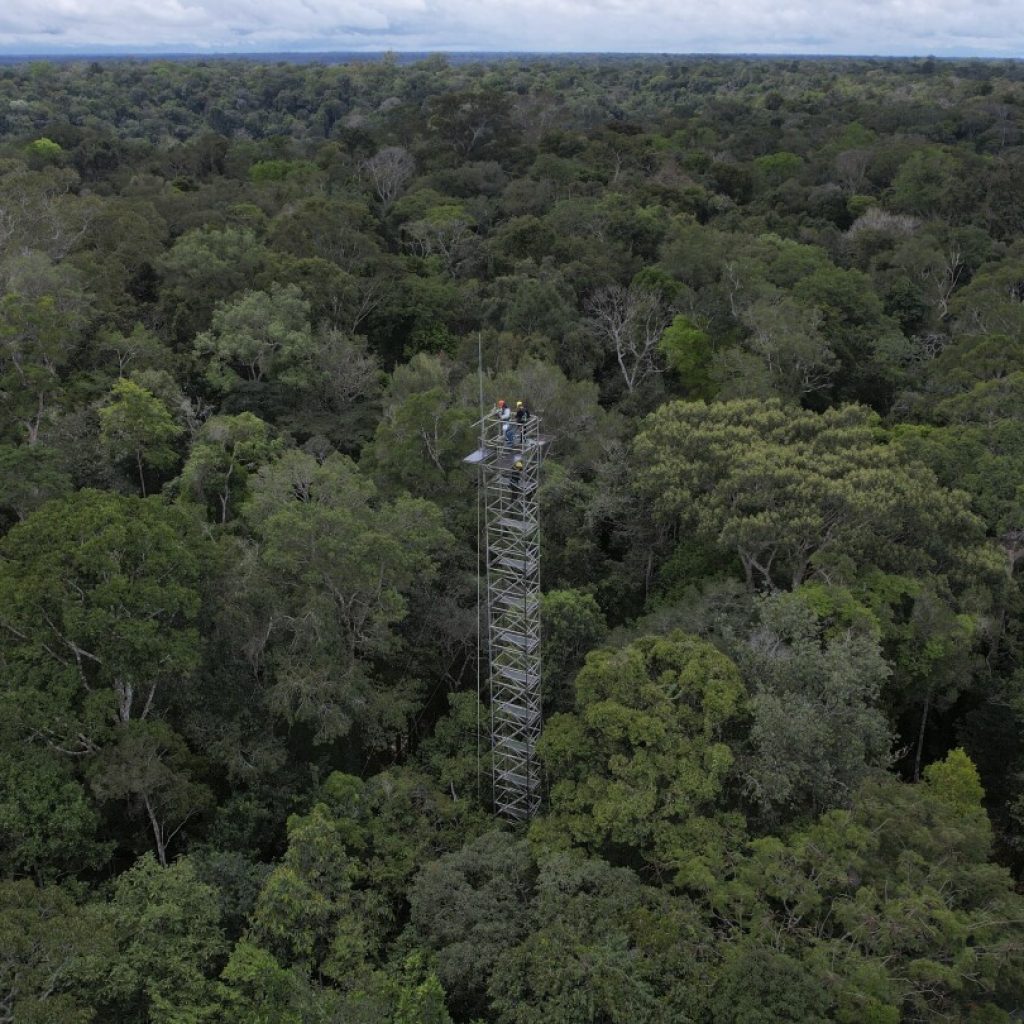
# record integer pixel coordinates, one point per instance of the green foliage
(328, 906)
(151, 768)
(923, 183)
(33, 349)
(979, 458)
(259, 989)
(775, 168)
(454, 752)
(305, 914)
(134, 351)
(29, 477)
(43, 151)
(795, 494)
(203, 267)
(420, 997)
(340, 563)
(424, 432)
(759, 985)
(258, 336)
(99, 598)
(166, 926)
(226, 452)
(275, 280)
(48, 827)
(786, 350)
(135, 426)
(817, 728)
(572, 624)
(277, 170)
(643, 762)
(395, 822)
(50, 951)
(956, 781)
(885, 901)
(468, 907)
(603, 947)
(687, 350)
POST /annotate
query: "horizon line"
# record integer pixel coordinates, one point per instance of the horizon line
(157, 51)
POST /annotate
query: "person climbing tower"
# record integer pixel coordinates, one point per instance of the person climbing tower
(514, 478)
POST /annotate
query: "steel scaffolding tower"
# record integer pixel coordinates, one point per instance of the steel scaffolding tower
(509, 459)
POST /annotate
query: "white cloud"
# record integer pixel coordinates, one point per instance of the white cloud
(765, 26)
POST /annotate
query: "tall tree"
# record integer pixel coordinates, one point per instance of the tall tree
(258, 336)
(225, 454)
(166, 923)
(135, 425)
(797, 495)
(389, 170)
(642, 764)
(99, 597)
(817, 727)
(34, 348)
(340, 562)
(629, 322)
(52, 951)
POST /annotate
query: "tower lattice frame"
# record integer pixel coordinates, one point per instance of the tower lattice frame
(509, 461)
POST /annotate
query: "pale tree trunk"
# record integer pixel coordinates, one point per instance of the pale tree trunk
(630, 321)
(32, 425)
(158, 833)
(125, 695)
(225, 495)
(920, 735)
(161, 837)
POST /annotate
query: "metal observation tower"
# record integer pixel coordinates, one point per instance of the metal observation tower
(509, 459)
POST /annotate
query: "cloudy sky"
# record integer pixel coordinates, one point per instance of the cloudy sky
(940, 27)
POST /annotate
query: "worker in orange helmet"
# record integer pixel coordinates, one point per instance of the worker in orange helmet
(505, 420)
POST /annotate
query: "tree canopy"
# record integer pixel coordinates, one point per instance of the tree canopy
(770, 315)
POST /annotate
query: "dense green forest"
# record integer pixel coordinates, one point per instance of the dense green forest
(772, 312)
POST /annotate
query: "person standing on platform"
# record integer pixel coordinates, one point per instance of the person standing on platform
(522, 417)
(504, 420)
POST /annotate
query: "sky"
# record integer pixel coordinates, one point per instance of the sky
(884, 27)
